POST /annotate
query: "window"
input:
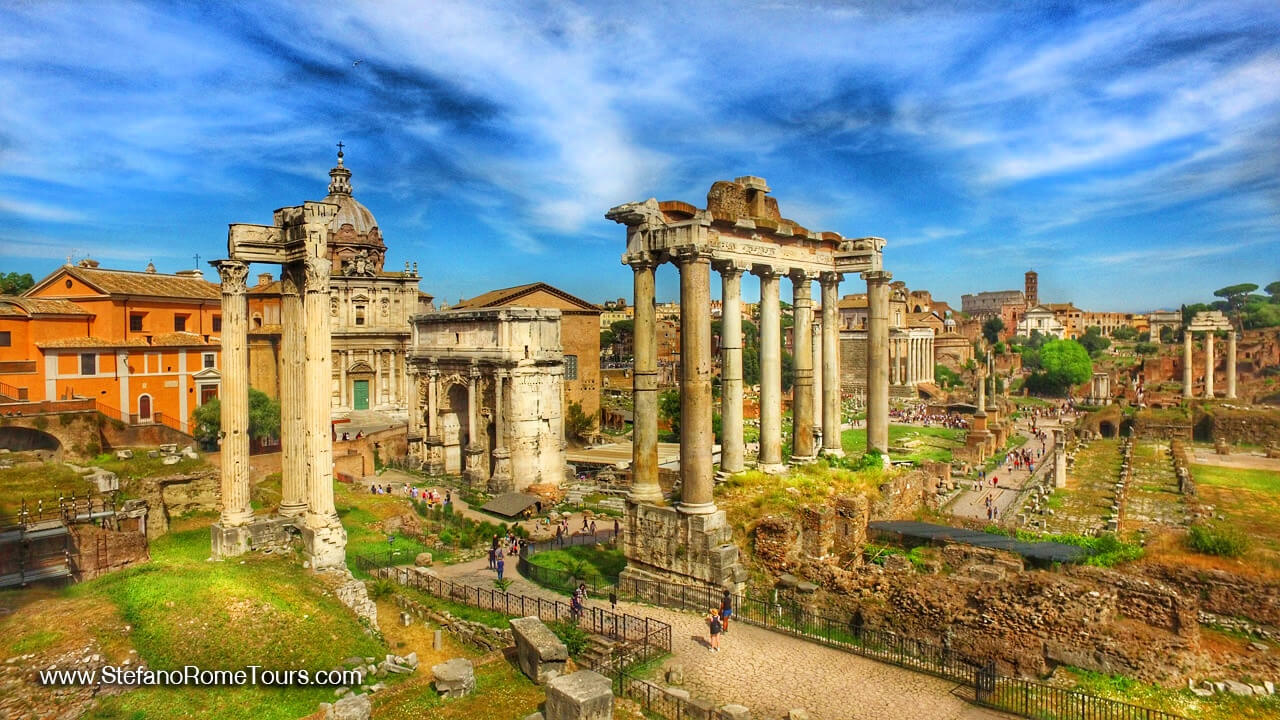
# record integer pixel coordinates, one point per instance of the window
(179, 323)
(208, 360)
(135, 322)
(217, 323)
(570, 367)
(5, 339)
(359, 314)
(88, 364)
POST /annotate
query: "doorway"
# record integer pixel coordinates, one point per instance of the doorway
(360, 395)
(144, 408)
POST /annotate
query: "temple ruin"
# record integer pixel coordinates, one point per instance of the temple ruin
(741, 230)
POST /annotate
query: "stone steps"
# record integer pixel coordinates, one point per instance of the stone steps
(598, 652)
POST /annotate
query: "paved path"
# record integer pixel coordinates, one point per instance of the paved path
(971, 503)
(771, 673)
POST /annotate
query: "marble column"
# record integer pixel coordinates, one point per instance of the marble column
(1186, 362)
(473, 415)
(831, 442)
(433, 443)
(344, 361)
(770, 459)
(234, 395)
(1209, 360)
(1231, 364)
(393, 390)
(802, 389)
(415, 403)
(877, 356)
(644, 388)
(815, 344)
(293, 439)
(318, 379)
(378, 396)
(731, 448)
(696, 433)
(501, 480)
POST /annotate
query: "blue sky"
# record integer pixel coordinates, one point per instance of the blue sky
(1128, 152)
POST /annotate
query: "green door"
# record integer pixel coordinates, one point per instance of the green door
(360, 396)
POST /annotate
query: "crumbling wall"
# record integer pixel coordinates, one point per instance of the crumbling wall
(1221, 592)
(96, 551)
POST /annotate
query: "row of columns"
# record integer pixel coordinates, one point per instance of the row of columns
(911, 360)
(389, 392)
(306, 447)
(1209, 362)
(816, 401)
(432, 432)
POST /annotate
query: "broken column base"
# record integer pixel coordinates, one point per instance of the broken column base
(673, 555)
(501, 482)
(325, 547)
(260, 533)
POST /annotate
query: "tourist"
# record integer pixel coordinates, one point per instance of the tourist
(493, 558)
(501, 565)
(713, 622)
(613, 599)
(559, 535)
(593, 527)
(617, 528)
(726, 610)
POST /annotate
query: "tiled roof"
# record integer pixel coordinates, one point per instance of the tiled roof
(509, 296)
(271, 288)
(91, 342)
(179, 339)
(853, 301)
(13, 305)
(128, 282)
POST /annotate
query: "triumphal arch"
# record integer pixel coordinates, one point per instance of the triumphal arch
(298, 243)
(740, 231)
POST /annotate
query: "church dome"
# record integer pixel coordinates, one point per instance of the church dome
(353, 232)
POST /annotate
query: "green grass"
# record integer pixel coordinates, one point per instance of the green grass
(492, 618)
(1263, 481)
(140, 466)
(45, 482)
(1222, 706)
(936, 443)
(264, 610)
(594, 565)
(502, 691)
(34, 642)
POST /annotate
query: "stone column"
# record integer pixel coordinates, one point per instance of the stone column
(1059, 458)
(393, 391)
(1186, 363)
(344, 361)
(1231, 364)
(831, 442)
(644, 388)
(802, 390)
(379, 389)
(696, 433)
(1208, 364)
(731, 448)
(501, 479)
(877, 356)
(770, 459)
(293, 439)
(234, 395)
(473, 415)
(434, 441)
(318, 378)
(415, 402)
(815, 344)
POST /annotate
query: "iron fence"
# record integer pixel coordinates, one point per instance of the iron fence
(1045, 702)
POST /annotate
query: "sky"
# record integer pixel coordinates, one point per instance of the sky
(1127, 152)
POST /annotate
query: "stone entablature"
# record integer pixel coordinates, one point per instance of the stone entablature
(1208, 323)
(487, 396)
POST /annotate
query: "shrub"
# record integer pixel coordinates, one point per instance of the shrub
(381, 588)
(573, 637)
(870, 460)
(1217, 540)
(41, 422)
(65, 419)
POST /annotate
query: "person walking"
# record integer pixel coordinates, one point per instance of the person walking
(501, 566)
(493, 558)
(613, 599)
(713, 623)
(726, 610)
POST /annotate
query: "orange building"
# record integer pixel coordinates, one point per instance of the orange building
(144, 345)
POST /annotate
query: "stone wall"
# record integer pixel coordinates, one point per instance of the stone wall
(120, 435)
(1221, 592)
(1241, 426)
(176, 495)
(96, 551)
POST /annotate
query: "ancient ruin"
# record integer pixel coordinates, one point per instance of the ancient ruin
(741, 230)
(1208, 322)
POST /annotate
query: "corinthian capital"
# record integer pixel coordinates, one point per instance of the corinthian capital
(317, 273)
(291, 278)
(233, 274)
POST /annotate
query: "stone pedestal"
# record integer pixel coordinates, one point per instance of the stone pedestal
(260, 533)
(501, 481)
(474, 470)
(433, 460)
(668, 547)
(584, 695)
(325, 547)
(541, 654)
(454, 678)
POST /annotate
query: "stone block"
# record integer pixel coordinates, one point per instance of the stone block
(733, 712)
(699, 709)
(675, 675)
(423, 559)
(1238, 688)
(171, 460)
(351, 707)
(797, 714)
(583, 695)
(169, 448)
(540, 653)
(454, 678)
(153, 454)
(124, 454)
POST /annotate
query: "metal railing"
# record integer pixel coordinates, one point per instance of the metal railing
(67, 509)
(1037, 700)
(557, 579)
(156, 418)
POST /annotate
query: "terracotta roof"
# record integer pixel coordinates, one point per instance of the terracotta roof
(853, 301)
(922, 319)
(178, 339)
(271, 288)
(92, 342)
(511, 295)
(128, 282)
(1055, 307)
(13, 305)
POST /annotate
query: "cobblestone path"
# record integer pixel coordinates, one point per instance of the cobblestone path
(771, 673)
(972, 503)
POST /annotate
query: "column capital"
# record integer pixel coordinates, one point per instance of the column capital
(688, 254)
(502, 372)
(640, 261)
(766, 272)
(800, 275)
(729, 268)
(828, 278)
(291, 279)
(232, 274)
(316, 270)
(877, 276)
(474, 372)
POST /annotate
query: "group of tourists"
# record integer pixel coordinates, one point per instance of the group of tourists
(500, 549)
(718, 620)
(922, 415)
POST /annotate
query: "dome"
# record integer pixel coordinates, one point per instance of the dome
(355, 243)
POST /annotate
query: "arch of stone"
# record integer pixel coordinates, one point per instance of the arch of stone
(741, 230)
(298, 243)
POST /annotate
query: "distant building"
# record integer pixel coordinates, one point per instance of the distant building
(1042, 320)
(989, 303)
(1031, 288)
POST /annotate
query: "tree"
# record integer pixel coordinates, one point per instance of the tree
(578, 424)
(1125, 332)
(15, 284)
(991, 330)
(1146, 348)
(1273, 289)
(1236, 295)
(1093, 340)
(1063, 364)
(669, 408)
(264, 418)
